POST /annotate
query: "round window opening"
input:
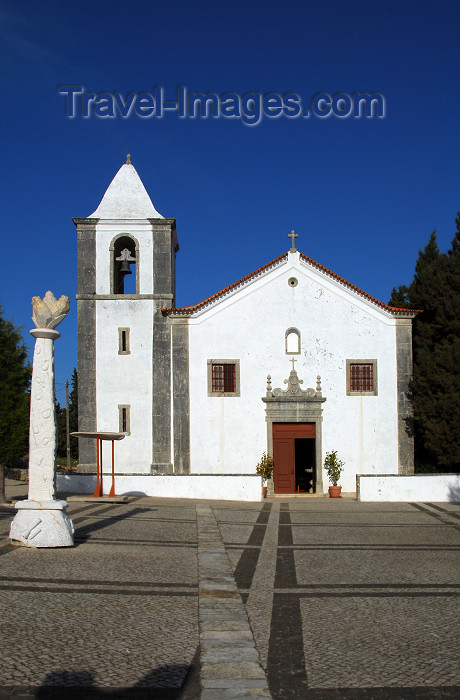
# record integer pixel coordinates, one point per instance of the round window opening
(292, 282)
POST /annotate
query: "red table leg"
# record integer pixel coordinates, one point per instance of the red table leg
(98, 489)
(112, 490)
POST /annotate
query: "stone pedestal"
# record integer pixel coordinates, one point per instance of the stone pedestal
(41, 521)
(42, 524)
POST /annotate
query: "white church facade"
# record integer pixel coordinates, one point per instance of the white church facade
(291, 360)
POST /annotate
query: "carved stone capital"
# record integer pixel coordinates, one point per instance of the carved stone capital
(45, 333)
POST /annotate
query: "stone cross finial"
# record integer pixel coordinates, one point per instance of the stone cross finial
(293, 360)
(292, 236)
(128, 159)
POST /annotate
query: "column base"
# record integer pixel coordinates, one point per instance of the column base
(42, 524)
(162, 469)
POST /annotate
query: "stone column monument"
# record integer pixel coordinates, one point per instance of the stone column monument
(41, 520)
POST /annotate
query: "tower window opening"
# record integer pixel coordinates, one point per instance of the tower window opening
(124, 266)
(123, 341)
(124, 419)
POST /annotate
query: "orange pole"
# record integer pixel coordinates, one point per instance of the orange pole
(98, 489)
(112, 490)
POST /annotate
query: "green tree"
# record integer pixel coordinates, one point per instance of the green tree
(435, 388)
(15, 373)
(73, 421)
(73, 413)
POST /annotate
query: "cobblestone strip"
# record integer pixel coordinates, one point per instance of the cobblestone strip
(230, 663)
(260, 600)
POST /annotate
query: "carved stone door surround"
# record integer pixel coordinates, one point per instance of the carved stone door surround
(296, 405)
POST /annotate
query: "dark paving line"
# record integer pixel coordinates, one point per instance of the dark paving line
(376, 547)
(373, 525)
(246, 567)
(444, 510)
(99, 591)
(240, 524)
(378, 594)
(97, 582)
(152, 543)
(427, 511)
(390, 693)
(286, 671)
(138, 519)
(382, 586)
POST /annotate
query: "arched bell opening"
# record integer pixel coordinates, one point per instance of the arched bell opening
(124, 265)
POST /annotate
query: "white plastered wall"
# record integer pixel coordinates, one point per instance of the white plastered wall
(229, 434)
(106, 231)
(125, 379)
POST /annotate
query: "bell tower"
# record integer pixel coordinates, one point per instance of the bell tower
(126, 275)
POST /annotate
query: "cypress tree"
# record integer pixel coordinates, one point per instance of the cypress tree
(435, 388)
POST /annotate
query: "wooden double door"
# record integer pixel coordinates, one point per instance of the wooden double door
(294, 457)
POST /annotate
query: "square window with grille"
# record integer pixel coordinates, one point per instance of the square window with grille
(223, 378)
(362, 377)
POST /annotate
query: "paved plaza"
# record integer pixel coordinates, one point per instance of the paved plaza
(287, 598)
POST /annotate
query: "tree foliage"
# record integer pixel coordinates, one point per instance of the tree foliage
(435, 388)
(73, 421)
(15, 373)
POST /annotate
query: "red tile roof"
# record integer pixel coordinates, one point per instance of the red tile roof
(189, 310)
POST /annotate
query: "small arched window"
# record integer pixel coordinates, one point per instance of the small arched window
(292, 340)
(124, 265)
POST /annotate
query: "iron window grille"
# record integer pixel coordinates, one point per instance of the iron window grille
(362, 377)
(224, 378)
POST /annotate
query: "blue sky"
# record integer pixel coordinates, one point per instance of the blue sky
(362, 194)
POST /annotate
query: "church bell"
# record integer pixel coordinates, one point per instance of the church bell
(125, 268)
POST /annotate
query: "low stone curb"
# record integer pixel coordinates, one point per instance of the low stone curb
(230, 662)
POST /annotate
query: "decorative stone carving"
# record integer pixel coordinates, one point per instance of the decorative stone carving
(51, 311)
(293, 388)
(269, 385)
(41, 520)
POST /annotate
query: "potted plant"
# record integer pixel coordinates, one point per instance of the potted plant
(334, 467)
(265, 470)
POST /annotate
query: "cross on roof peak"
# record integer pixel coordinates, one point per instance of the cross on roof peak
(292, 236)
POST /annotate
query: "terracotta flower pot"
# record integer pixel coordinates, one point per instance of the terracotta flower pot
(334, 491)
(264, 492)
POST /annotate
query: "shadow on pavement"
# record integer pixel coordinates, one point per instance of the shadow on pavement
(80, 685)
(82, 533)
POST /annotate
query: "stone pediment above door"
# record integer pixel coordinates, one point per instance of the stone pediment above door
(293, 392)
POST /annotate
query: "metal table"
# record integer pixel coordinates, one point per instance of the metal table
(100, 436)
